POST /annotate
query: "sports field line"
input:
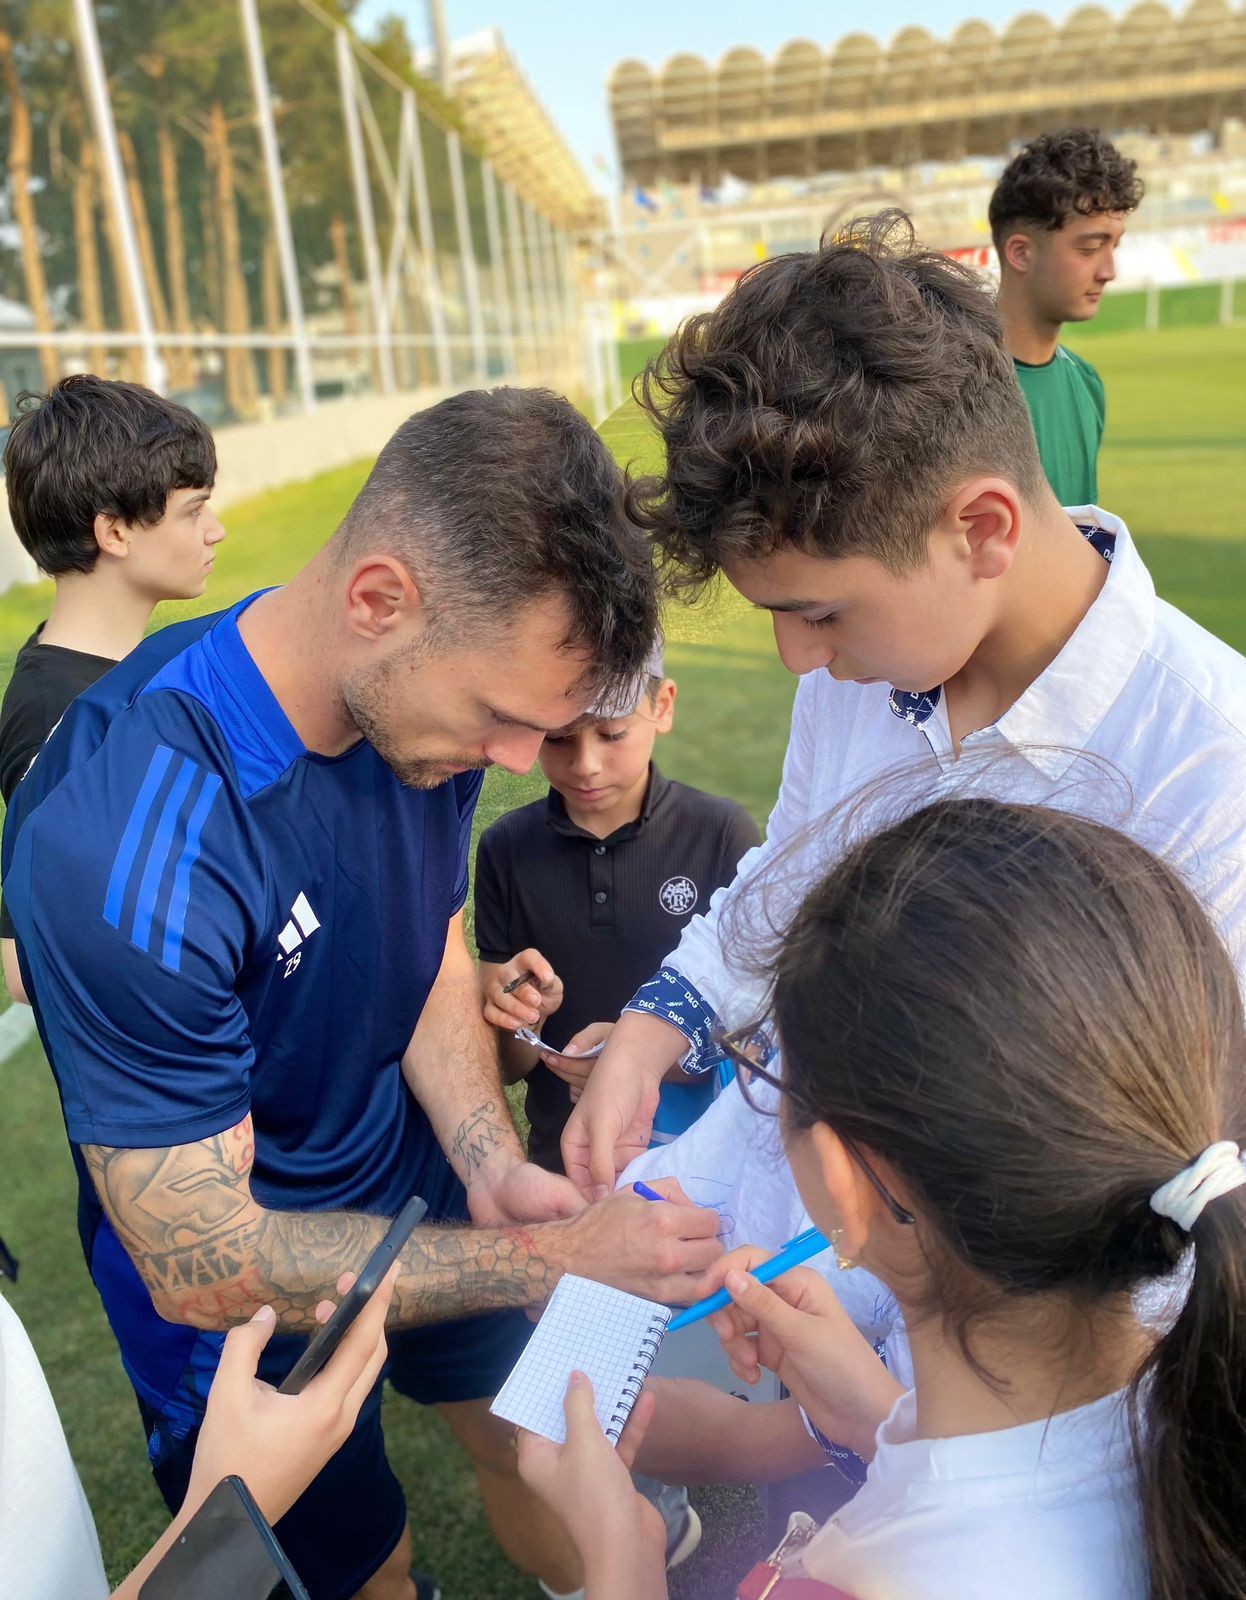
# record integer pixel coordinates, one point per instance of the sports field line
(16, 1026)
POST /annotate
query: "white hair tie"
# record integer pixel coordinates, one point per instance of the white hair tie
(1219, 1169)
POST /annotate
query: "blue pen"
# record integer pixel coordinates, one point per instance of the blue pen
(646, 1193)
(810, 1243)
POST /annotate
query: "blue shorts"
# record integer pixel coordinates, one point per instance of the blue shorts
(353, 1514)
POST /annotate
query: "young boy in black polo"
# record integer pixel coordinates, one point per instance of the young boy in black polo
(586, 890)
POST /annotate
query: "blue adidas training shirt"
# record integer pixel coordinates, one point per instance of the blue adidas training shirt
(214, 920)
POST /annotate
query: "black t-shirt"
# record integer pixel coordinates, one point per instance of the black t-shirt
(46, 677)
(604, 912)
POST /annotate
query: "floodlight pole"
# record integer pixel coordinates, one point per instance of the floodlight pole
(349, 87)
(91, 63)
(277, 200)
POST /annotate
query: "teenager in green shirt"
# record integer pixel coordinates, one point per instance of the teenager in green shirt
(1057, 217)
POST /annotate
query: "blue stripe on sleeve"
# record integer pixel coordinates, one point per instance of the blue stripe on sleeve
(175, 919)
(158, 855)
(131, 838)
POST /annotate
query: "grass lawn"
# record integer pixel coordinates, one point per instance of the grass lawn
(1173, 466)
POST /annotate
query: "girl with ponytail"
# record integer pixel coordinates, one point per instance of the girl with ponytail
(1013, 1088)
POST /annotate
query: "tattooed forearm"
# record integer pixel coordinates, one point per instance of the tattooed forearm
(479, 1134)
(455, 1272)
(210, 1255)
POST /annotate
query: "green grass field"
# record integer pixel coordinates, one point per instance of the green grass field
(1173, 466)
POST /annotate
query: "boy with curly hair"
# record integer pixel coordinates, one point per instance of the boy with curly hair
(1057, 217)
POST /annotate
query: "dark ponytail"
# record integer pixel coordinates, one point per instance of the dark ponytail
(1190, 1422)
(1029, 1022)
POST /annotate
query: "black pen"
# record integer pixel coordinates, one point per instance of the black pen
(518, 983)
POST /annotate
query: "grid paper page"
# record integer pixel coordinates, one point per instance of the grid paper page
(586, 1327)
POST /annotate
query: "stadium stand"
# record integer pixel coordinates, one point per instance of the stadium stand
(860, 105)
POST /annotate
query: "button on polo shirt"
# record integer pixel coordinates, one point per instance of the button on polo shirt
(602, 911)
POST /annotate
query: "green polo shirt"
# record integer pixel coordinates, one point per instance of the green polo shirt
(1068, 406)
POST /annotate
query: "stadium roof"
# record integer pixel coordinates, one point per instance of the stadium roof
(520, 137)
(861, 104)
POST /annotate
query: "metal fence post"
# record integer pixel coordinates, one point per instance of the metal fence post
(277, 201)
(91, 62)
(349, 87)
(493, 222)
(523, 297)
(467, 254)
(428, 240)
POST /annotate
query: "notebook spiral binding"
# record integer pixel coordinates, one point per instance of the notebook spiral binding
(646, 1354)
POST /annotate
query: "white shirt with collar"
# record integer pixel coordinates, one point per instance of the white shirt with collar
(1139, 722)
(1044, 1510)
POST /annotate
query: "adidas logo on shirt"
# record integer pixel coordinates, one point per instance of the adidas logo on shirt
(302, 924)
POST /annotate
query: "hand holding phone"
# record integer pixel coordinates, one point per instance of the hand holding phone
(227, 1548)
(326, 1341)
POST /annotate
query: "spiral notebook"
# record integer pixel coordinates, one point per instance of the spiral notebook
(586, 1327)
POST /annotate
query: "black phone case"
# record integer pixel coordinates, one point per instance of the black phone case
(226, 1552)
(326, 1341)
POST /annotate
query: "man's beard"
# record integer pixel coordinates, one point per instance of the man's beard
(367, 700)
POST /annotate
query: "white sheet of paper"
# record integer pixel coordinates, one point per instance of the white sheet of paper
(586, 1327)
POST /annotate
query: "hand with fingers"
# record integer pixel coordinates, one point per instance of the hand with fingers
(574, 1073)
(277, 1443)
(586, 1483)
(661, 1252)
(796, 1328)
(522, 993)
(611, 1121)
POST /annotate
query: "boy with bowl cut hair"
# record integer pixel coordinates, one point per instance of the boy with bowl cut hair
(109, 488)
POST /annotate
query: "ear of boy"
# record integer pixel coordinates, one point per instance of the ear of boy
(1020, 251)
(113, 534)
(985, 514)
(664, 706)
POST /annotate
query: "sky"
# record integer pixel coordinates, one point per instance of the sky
(567, 48)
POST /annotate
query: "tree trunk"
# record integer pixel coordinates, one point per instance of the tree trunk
(174, 236)
(86, 247)
(341, 259)
(211, 255)
(278, 386)
(239, 370)
(21, 143)
(147, 256)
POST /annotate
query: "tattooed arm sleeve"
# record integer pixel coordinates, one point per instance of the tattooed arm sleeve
(210, 1254)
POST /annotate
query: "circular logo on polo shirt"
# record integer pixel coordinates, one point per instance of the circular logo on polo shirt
(678, 896)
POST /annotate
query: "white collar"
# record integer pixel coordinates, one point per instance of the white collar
(1054, 1444)
(1053, 721)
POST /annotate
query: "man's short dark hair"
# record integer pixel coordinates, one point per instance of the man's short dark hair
(494, 498)
(93, 447)
(830, 403)
(1077, 173)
